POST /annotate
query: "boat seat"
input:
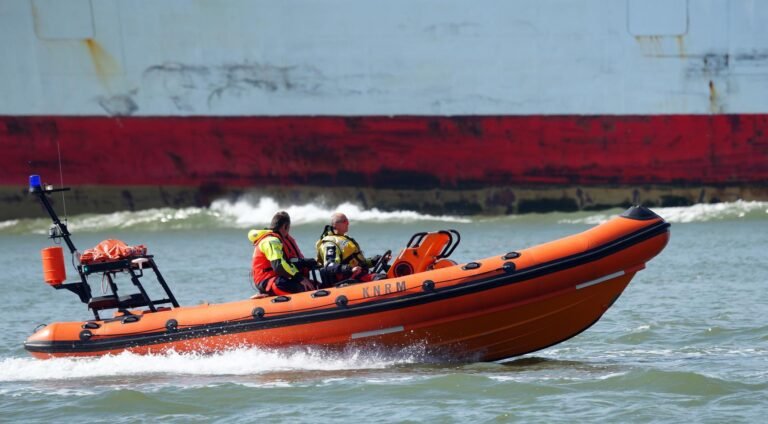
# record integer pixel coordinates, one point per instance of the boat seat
(111, 301)
(134, 300)
(347, 282)
(442, 263)
(425, 251)
(103, 302)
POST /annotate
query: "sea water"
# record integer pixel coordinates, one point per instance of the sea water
(687, 341)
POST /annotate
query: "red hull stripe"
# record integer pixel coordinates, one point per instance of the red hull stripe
(389, 152)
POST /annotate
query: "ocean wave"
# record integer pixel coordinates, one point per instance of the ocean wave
(242, 213)
(8, 224)
(247, 212)
(738, 210)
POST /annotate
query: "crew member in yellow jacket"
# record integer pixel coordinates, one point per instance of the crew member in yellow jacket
(339, 255)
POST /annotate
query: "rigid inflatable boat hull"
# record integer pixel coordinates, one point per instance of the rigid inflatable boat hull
(548, 294)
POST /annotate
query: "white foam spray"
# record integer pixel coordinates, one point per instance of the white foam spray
(248, 213)
(241, 361)
(701, 212)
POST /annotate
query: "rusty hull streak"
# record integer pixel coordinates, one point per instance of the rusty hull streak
(660, 46)
(103, 63)
(650, 45)
(681, 45)
(713, 98)
(35, 16)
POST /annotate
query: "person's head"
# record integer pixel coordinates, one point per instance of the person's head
(340, 223)
(281, 223)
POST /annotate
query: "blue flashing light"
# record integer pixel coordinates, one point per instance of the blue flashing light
(34, 182)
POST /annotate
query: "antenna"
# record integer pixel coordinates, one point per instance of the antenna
(61, 180)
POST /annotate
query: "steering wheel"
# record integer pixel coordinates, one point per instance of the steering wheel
(382, 262)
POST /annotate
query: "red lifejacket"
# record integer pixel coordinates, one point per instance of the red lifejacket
(261, 266)
(291, 249)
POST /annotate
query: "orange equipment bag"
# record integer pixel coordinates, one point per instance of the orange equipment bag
(111, 250)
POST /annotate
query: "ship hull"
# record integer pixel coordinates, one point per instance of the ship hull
(491, 164)
(509, 106)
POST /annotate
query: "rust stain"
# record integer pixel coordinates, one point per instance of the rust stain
(103, 63)
(713, 99)
(35, 18)
(651, 45)
(681, 45)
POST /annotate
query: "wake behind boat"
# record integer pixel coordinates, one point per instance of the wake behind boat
(490, 309)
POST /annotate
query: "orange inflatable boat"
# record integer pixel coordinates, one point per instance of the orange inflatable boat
(490, 309)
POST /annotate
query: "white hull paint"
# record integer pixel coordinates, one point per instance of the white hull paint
(399, 57)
